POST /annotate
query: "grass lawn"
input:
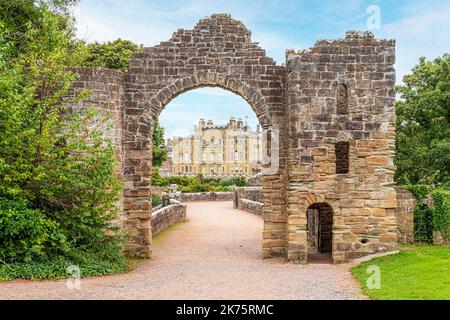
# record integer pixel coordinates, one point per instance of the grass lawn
(418, 272)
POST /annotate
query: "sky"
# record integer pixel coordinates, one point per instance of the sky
(421, 28)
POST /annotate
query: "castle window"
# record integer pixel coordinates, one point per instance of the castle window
(342, 99)
(342, 157)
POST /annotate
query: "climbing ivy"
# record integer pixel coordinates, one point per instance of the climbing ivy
(433, 217)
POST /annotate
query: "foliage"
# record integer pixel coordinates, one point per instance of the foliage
(423, 124)
(416, 273)
(54, 164)
(199, 183)
(113, 55)
(431, 218)
(159, 151)
(27, 234)
(116, 55)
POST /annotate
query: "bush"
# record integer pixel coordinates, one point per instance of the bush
(27, 234)
(156, 200)
(431, 218)
(199, 183)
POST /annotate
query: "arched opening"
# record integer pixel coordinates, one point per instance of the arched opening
(214, 142)
(320, 232)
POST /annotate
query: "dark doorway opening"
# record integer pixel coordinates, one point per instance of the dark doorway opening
(320, 233)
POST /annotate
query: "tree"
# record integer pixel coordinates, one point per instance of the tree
(423, 129)
(112, 55)
(159, 149)
(55, 163)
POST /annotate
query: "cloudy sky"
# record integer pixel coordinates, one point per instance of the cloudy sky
(421, 28)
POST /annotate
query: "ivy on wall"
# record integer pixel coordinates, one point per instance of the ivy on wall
(431, 218)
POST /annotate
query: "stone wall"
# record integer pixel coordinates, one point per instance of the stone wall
(250, 193)
(343, 91)
(329, 112)
(168, 216)
(106, 90)
(255, 181)
(406, 203)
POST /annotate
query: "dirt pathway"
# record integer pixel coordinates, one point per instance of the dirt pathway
(215, 255)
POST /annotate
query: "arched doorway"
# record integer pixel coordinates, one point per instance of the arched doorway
(320, 232)
(218, 52)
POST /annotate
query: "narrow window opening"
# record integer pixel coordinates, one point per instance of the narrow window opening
(342, 157)
(342, 99)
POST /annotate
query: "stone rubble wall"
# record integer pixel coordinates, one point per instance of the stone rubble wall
(406, 203)
(255, 181)
(250, 199)
(106, 88)
(167, 216)
(250, 193)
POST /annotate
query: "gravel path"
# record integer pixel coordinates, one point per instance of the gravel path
(215, 255)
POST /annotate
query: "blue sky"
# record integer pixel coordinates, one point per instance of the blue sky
(421, 28)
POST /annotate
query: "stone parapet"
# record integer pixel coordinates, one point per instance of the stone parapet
(165, 217)
(203, 196)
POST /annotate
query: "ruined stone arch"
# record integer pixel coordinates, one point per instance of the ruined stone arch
(218, 52)
(298, 100)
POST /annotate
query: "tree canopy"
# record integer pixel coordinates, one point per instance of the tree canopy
(423, 124)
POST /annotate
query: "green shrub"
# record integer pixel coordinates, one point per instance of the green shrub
(55, 164)
(431, 218)
(27, 234)
(156, 200)
(199, 183)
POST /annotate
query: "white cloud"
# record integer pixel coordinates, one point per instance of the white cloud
(422, 34)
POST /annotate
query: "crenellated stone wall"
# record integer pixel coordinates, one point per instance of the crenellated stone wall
(406, 203)
(167, 216)
(106, 88)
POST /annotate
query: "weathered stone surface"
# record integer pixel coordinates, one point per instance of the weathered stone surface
(339, 91)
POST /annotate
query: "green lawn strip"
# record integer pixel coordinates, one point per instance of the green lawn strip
(417, 273)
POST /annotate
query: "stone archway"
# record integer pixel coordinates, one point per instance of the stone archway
(337, 91)
(218, 52)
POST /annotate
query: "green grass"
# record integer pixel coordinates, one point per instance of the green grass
(415, 273)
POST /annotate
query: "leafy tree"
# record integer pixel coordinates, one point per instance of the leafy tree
(159, 149)
(423, 124)
(53, 162)
(112, 55)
